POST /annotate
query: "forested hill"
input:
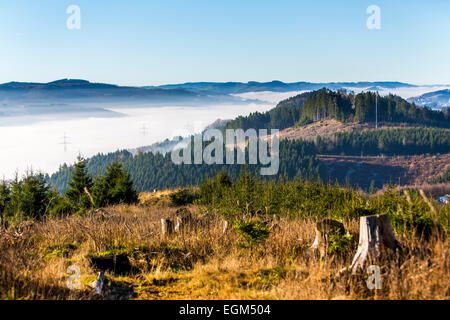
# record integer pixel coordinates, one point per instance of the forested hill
(284, 115)
(149, 171)
(342, 106)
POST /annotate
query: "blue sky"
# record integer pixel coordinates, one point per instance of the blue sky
(150, 42)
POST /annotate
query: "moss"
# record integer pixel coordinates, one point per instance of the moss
(64, 250)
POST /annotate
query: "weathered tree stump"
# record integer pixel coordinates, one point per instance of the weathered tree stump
(183, 219)
(97, 285)
(119, 264)
(167, 227)
(323, 230)
(376, 241)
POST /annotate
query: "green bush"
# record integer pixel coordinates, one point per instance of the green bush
(183, 197)
(253, 233)
(414, 216)
(339, 242)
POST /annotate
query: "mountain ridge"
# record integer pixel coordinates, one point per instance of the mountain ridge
(434, 99)
(278, 86)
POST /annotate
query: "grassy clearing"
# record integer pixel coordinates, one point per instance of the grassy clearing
(205, 264)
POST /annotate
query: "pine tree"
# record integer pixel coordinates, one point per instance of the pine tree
(30, 197)
(77, 186)
(5, 198)
(114, 187)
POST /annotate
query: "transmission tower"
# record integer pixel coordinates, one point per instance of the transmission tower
(144, 130)
(65, 142)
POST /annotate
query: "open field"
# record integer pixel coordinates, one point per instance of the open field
(203, 263)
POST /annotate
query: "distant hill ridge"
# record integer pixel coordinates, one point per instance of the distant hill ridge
(70, 89)
(436, 99)
(277, 86)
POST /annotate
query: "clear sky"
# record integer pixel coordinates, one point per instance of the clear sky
(151, 42)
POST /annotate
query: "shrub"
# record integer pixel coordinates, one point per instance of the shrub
(253, 233)
(339, 242)
(183, 197)
(410, 214)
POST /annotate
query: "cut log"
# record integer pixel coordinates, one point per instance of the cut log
(119, 264)
(167, 227)
(323, 230)
(376, 241)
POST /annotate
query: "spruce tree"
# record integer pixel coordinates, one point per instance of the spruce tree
(79, 182)
(114, 187)
(30, 197)
(5, 198)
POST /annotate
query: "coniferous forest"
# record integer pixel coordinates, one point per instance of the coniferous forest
(150, 171)
(342, 106)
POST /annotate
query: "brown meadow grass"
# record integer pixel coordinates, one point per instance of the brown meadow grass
(204, 263)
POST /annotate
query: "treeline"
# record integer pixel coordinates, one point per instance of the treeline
(150, 171)
(344, 107)
(284, 115)
(368, 107)
(33, 198)
(399, 141)
(312, 198)
(326, 104)
(393, 108)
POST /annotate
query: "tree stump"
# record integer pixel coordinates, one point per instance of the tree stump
(323, 230)
(376, 241)
(183, 218)
(167, 227)
(97, 285)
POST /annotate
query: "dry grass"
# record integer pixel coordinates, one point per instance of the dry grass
(204, 263)
(160, 198)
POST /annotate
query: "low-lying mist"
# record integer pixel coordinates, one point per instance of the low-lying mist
(36, 141)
